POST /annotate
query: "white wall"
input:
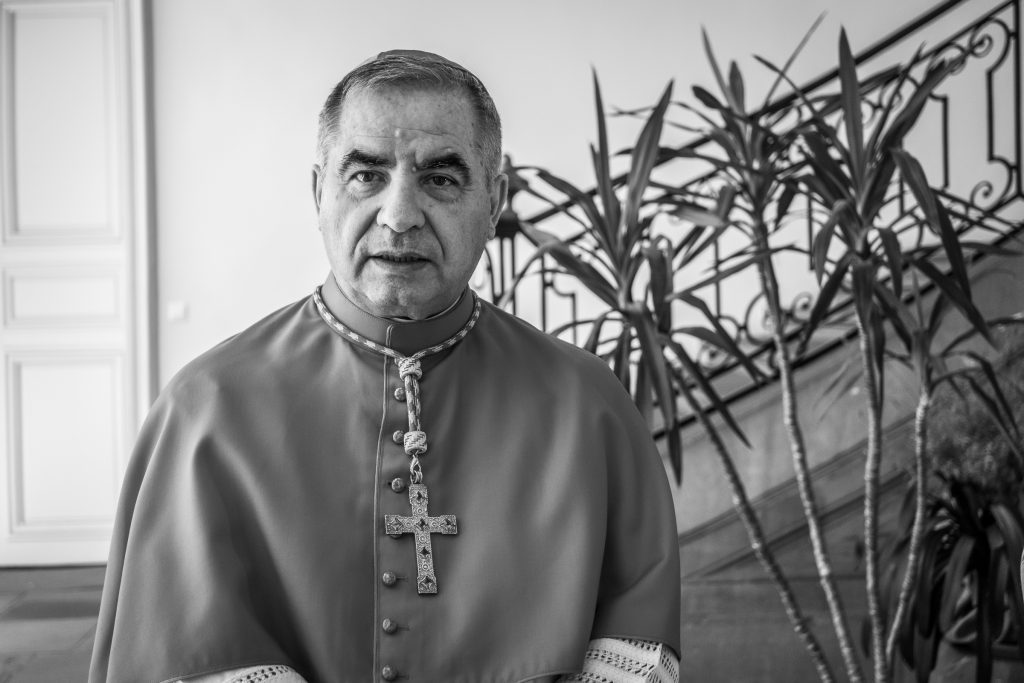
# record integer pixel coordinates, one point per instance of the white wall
(238, 84)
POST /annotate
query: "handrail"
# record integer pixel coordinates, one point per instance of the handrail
(784, 101)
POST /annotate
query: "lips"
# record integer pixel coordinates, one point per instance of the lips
(399, 257)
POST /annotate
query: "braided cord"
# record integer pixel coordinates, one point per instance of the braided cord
(409, 369)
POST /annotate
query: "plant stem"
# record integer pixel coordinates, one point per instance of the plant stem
(758, 542)
(822, 559)
(917, 531)
(871, 469)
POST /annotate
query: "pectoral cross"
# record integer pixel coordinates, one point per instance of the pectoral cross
(421, 525)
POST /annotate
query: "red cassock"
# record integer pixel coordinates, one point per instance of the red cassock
(250, 528)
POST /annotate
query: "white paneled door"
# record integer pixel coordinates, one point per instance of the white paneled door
(74, 265)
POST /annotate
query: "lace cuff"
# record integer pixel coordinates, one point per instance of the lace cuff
(270, 673)
(615, 660)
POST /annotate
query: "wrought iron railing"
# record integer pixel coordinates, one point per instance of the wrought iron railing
(969, 141)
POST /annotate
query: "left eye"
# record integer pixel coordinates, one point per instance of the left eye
(440, 181)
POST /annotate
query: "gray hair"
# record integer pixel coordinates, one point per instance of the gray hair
(415, 69)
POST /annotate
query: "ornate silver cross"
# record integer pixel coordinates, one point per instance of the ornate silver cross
(421, 525)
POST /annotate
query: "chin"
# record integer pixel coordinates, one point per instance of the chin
(397, 307)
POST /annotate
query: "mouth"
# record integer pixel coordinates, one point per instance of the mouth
(398, 258)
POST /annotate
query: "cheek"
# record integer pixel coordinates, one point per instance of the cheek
(346, 223)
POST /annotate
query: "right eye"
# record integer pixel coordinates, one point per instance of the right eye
(364, 176)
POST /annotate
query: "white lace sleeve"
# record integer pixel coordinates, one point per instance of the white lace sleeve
(614, 660)
(270, 673)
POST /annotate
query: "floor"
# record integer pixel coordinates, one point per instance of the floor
(48, 617)
(47, 620)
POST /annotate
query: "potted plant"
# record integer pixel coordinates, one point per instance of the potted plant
(966, 609)
(633, 271)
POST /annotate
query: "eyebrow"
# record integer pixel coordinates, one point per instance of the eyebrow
(453, 160)
(358, 157)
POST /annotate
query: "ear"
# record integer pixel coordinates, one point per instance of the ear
(499, 195)
(318, 186)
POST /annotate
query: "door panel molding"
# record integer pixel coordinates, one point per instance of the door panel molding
(76, 276)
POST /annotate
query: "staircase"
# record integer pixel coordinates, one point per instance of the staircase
(726, 598)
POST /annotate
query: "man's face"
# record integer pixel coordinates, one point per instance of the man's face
(404, 203)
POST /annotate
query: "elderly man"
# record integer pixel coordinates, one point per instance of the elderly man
(391, 479)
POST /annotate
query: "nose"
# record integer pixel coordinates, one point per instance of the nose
(400, 210)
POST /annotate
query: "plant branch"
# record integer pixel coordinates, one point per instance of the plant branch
(871, 476)
(917, 532)
(801, 468)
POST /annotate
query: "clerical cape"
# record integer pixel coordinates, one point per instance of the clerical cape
(250, 528)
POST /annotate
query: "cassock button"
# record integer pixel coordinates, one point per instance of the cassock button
(389, 626)
(399, 394)
(389, 673)
(389, 578)
(398, 484)
(398, 437)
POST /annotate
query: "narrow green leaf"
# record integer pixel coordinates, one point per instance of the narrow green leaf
(654, 358)
(694, 372)
(899, 79)
(956, 296)
(845, 379)
(660, 284)
(940, 306)
(728, 343)
(598, 224)
(602, 167)
(792, 57)
(1012, 528)
(956, 572)
(925, 648)
(696, 214)
(983, 604)
(852, 116)
(935, 214)
(736, 87)
(1013, 537)
(826, 168)
(815, 114)
(897, 314)
(823, 239)
(877, 181)
(924, 615)
(644, 155)
(862, 284)
(722, 85)
(691, 237)
(563, 255)
(718, 276)
(893, 258)
(784, 202)
(908, 116)
(622, 362)
(644, 396)
(707, 99)
(594, 338)
(824, 301)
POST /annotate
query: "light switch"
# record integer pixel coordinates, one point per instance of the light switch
(177, 311)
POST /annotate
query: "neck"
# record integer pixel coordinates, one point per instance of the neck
(405, 336)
